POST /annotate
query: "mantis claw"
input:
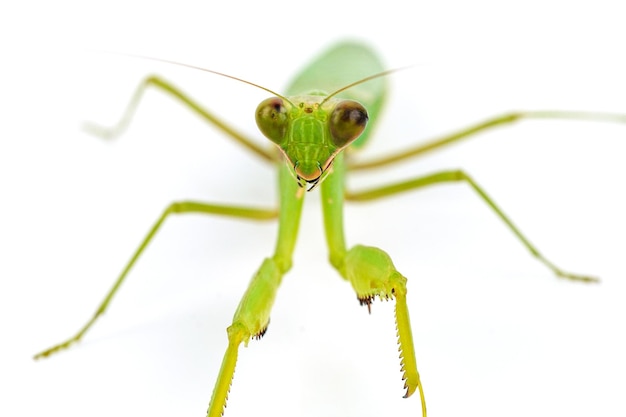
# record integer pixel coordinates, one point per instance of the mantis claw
(260, 334)
(367, 300)
(372, 273)
(250, 321)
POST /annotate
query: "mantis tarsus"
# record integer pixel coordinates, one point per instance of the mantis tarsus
(328, 109)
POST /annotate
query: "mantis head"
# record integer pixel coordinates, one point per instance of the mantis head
(310, 131)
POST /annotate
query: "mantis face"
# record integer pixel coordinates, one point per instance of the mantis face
(310, 131)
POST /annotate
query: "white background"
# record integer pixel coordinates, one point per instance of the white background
(496, 334)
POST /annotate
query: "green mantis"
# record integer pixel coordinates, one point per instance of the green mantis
(326, 114)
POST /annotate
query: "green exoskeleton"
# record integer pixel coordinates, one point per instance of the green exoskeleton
(326, 114)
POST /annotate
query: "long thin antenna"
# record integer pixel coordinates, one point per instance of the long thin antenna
(167, 61)
(364, 80)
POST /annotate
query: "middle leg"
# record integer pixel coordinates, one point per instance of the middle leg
(461, 176)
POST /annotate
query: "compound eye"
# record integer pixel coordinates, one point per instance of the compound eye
(272, 119)
(347, 122)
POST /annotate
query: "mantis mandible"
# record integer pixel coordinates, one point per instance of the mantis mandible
(325, 116)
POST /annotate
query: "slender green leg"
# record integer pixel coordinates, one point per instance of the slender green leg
(371, 273)
(498, 121)
(456, 176)
(181, 207)
(253, 313)
(161, 84)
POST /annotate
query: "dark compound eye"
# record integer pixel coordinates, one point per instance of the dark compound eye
(347, 122)
(272, 119)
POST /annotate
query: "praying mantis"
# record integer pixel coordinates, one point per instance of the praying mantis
(325, 116)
